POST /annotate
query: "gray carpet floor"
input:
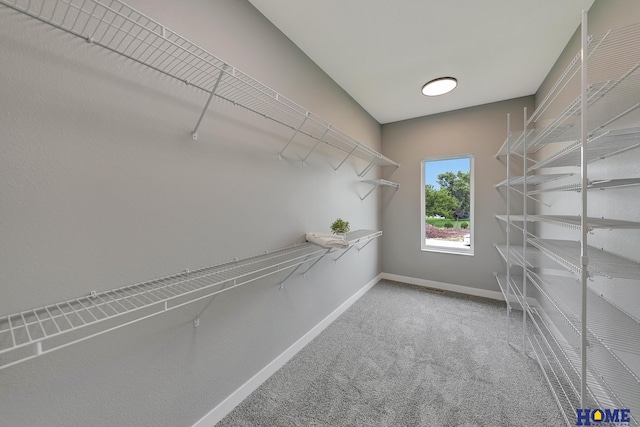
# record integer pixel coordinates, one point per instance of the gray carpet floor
(406, 356)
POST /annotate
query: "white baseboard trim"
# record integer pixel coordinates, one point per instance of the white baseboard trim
(444, 286)
(227, 405)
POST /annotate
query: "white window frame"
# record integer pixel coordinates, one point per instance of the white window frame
(466, 250)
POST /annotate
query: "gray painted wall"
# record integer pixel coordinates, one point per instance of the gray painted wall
(480, 131)
(102, 186)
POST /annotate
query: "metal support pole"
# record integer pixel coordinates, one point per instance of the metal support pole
(508, 226)
(194, 134)
(525, 307)
(306, 116)
(584, 260)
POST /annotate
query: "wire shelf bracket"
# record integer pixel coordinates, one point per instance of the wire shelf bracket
(359, 236)
(194, 134)
(377, 183)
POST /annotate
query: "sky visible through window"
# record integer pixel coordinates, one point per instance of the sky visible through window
(435, 167)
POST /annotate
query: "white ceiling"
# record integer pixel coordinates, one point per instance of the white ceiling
(381, 52)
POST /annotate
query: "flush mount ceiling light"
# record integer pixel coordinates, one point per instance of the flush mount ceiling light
(439, 86)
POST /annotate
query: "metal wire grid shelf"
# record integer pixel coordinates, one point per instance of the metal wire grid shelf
(601, 263)
(598, 147)
(555, 343)
(378, 183)
(511, 290)
(39, 331)
(535, 258)
(614, 68)
(552, 254)
(532, 180)
(601, 184)
(566, 83)
(563, 291)
(513, 144)
(357, 237)
(119, 28)
(574, 221)
(606, 366)
(558, 363)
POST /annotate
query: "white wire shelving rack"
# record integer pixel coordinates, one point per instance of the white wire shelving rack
(575, 221)
(518, 181)
(611, 382)
(359, 239)
(599, 147)
(597, 184)
(585, 343)
(511, 290)
(117, 27)
(379, 183)
(35, 332)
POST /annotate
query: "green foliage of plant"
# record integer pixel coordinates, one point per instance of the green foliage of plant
(437, 222)
(453, 199)
(459, 187)
(439, 202)
(440, 222)
(448, 224)
(340, 226)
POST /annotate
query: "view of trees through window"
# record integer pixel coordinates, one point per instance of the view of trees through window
(447, 203)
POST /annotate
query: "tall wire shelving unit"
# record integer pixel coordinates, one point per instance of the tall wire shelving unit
(586, 343)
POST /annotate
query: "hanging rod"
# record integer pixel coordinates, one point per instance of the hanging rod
(121, 29)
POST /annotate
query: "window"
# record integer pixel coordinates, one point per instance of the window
(447, 204)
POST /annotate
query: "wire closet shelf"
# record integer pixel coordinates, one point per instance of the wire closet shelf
(115, 26)
(573, 295)
(612, 95)
(32, 333)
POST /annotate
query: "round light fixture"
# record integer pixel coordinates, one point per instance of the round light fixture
(439, 86)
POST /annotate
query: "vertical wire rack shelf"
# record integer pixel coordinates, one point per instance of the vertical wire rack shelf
(585, 342)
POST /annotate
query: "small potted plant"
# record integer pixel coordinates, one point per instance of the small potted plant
(340, 226)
